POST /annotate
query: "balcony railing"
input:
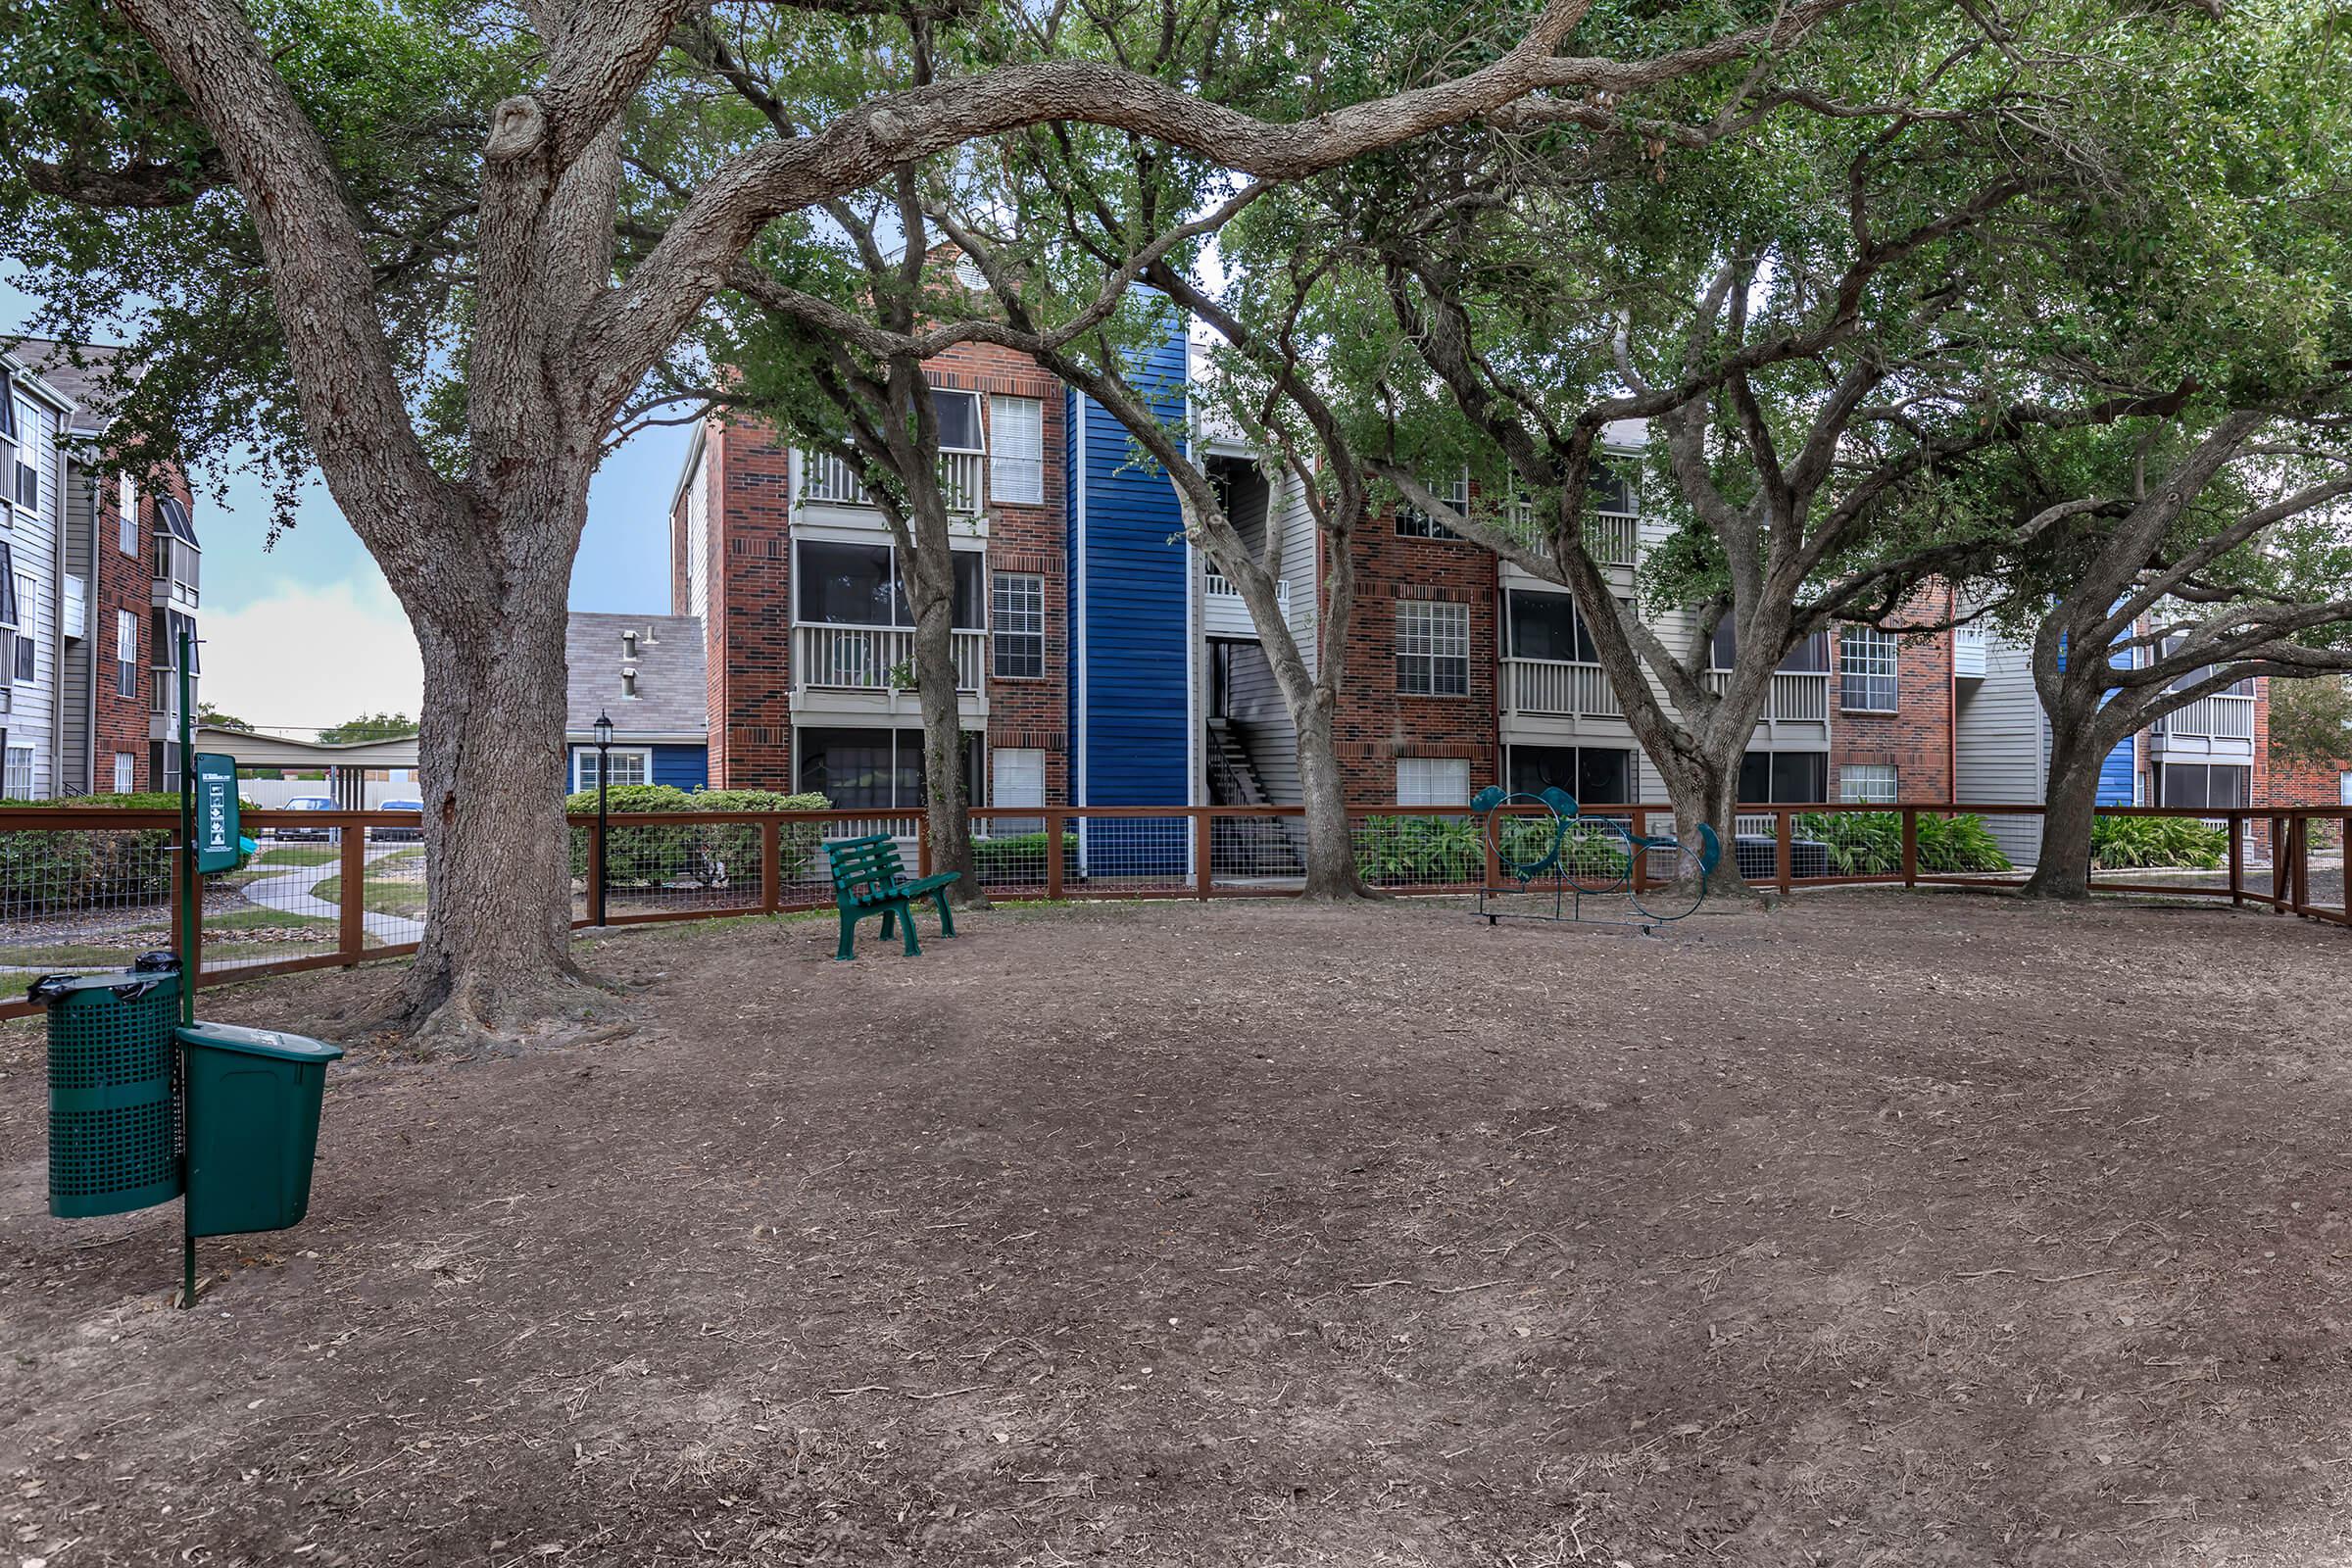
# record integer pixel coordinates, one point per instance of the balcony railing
(1798, 696)
(862, 658)
(1970, 645)
(1611, 537)
(1224, 613)
(826, 479)
(2222, 716)
(1558, 688)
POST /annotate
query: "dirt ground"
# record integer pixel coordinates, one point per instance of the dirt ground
(1877, 1230)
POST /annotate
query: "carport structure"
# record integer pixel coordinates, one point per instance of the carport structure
(346, 764)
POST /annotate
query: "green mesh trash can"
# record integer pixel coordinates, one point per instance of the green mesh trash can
(114, 1120)
(253, 1125)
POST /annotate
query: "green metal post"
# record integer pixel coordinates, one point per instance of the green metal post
(191, 910)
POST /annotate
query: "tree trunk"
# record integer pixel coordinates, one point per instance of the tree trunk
(1331, 871)
(497, 851)
(944, 792)
(2070, 805)
(1708, 794)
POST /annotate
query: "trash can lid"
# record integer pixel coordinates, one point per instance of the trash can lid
(49, 987)
(256, 1042)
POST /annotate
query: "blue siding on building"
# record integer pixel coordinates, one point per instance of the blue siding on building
(2115, 775)
(1130, 603)
(682, 766)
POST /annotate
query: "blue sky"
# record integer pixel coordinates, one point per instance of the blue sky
(268, 613)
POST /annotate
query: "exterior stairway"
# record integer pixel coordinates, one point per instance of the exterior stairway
(1244, 847)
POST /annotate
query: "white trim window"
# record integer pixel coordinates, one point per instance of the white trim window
(126, 654)
(1414, 523)
(959, 420)
(2343, 788)
(1867, 783)
(126, 522)
(16, 784)
(1016, 777)
(631, 764)
(126, 772)
(25, 666)
(15, 431)
(1016, 460)
(1866, 669)
(1433, 648)
(1016, 622)
(1433, 781)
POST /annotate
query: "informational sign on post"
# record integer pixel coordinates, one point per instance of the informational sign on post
(215, 778)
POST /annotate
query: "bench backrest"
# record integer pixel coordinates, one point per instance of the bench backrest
(865, 866)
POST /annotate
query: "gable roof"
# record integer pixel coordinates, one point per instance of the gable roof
(670, 696)
(83, 384)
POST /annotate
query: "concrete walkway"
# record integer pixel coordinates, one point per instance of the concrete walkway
(294, 893)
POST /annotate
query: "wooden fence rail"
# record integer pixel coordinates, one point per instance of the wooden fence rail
(688, 865)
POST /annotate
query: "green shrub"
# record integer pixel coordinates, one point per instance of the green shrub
(1020, 858)
(705, 853)
(2134, 843)
(56, 871)
(1420, 849)
(1871, 843)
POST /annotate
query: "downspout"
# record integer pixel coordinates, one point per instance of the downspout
(1952, 697)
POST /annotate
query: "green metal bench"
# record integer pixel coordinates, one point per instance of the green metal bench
(868, 878)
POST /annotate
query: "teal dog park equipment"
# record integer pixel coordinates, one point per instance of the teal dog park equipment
(1550, 859)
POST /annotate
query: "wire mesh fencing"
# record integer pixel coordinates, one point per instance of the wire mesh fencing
(1420, 850)
(76, 898)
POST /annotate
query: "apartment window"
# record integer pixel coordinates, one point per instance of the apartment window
(1017, 625)
(126, 522)
(2343, 788)
(18, 783)
(1598, 773)
(1016, 464)
(8, 432)
(857, 585)
(126, 654)
(1414, 523)
(1867, 783)
(1016, 777)
(29, 627)
(126, 772)
(1810, 657)
(28, 485)
(1866, 664)
(1784, 778)
(631, 764)
(1547, 626)
(2204, 784)
(1432, 649)
(959, 420)
(1433, 781)
(870, 770)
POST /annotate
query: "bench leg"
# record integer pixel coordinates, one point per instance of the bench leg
(848, 932)
(914, 949)
(890, 923)
(946, 921)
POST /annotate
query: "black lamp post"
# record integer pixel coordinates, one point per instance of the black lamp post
(604, 775)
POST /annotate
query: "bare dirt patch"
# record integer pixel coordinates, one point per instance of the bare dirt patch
(1880, 1228)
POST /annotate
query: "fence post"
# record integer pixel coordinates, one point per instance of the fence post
(1910, 846)
(1201, 852)
(1057, 824)
(2277, 866)
(2238, 860)
(350, 923)
(191, 962)
(772, 865)
(596, 874)
(1639, 820)
(1784, 852)
(2299, 834)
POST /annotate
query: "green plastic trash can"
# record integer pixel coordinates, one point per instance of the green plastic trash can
(114, 1121)
(253, 1125)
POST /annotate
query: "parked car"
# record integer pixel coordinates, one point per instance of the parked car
(305, 802)
(403, 832)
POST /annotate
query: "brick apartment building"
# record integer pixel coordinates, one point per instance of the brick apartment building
(1105, 664)
(103, 577)
(793, 577)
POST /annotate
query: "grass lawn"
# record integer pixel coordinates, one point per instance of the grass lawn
(1879, 1230)
(386, 894)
